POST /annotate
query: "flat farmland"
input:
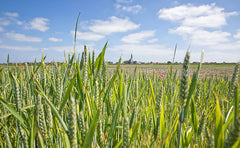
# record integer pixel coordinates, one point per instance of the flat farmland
(207, 70)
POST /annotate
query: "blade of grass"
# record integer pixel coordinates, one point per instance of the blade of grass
(13, 112)
(67, 94)
(91, 131)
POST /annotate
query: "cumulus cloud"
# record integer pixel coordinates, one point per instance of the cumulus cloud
(11, 14)
(54, 39)
(99, 29)
(194, 23)
(22, 38)
(114, 24)
(40, 24)
(209, 16)
(134, 9)
(203, 37)
(138, 37)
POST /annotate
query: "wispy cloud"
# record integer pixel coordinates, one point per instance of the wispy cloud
(4, 22)
(54, 39)
(69, 48)
(153, 40)
(22, 38)
(89, 36)
(114, 24)
(124, 1)
(134, 9)
(237, 35)
(1, 29)
(175, 3)
(60, 48)
(143, 52)
(18, 48)
(138, 37)
(40, 24)
(10, 18)
(11, 14)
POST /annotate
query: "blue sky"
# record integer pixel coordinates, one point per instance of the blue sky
(149, 29)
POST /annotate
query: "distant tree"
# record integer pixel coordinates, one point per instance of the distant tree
(110, 62)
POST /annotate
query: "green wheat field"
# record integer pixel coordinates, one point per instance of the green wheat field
(83, 103)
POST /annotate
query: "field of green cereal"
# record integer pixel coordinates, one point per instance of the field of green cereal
(84, 103)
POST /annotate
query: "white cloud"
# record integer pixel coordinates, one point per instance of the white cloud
(175, 3)
(19, 48)
(209, 16)
(113, 25)
(100, 28)
(11, 14)
(194, 21)
(89, 36)
(237, 36)
(229, 47)
(203, 38)
(160, 53)
(143, 52)
(1, 29)
(54, 39)
(40, 24)
(69, 48)
(134, 9)
(11, 17)
(153, 40)
(4, 22)
(22, 38)
(60, 48)
(138, 37)
(183, 30)
(215, 21)
(223, 56)
(17, 21)
(124, 1)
